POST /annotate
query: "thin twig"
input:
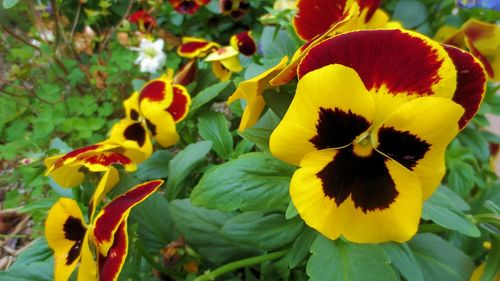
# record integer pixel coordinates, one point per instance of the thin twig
(75, 21)
(108, 36)
(19, 38)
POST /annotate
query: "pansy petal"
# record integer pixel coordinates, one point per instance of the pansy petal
(232, 63)
(290, 71)
(315, 17)
(112, 215)
(161, 125)
(87, 270)
(330, 109)
(251, 90)
(409, 138)
(132, 135)
(392, 63)
(65, 232)
(108, 181)
(68, 175)
(192, 47)
(483, 41)
(185, 6)
(395, 60)
(59, 161)
(366, 199)
(101, 161)
(180, 103)
(186, 74)
(219, 71)
(156, 93)
(222, 53)
(471, 83)
(244, 43)
(131, 106)
(111, 265)
(368, 8)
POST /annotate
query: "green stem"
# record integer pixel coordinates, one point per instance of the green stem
(211, 275)
(491, 218)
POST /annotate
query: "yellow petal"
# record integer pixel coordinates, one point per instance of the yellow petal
(417, 134)
(397, 221)
(331, 89)
(65, 231)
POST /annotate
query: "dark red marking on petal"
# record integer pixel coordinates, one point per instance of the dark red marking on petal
(370, 5)
(398, 60)
(142, 16)
(471, 82)
(315, 17)
(134, 115)
(153, 91)
(151, 127)
(111, 265)
(337, 128)
(403, 147)
(186, 74)
(246, 44)
(366, 179)
(74, 230)
(59, 162)
(185, 6)
(106, 159)
(481, 57)
(136, 133)
(178, 107)
(112, 214)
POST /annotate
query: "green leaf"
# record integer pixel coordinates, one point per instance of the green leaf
(440, 260)
(7, 4)
(33, 264)
(278, 101)
(411, 13)
(443, 212)
(202, 230)
(267, 231)
(338, 260)
(183, 164)
(214, 127)
(206, 95)
(276, 46)
(301, 246)
(477, 143)
(254, 181)
(403, 259)
(155, 231)
(155, 167)
(39, 251)
(260, 132)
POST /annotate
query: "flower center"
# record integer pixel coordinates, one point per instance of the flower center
(150, 52)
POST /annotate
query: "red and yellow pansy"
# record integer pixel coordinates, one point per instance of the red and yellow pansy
(317, 20)
(153, 113)
(144, 21)
(187, 6)
(225, 60)
(71, 238)
(372, 116)
(66, 171)
(480, 38)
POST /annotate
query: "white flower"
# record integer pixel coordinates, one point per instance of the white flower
(151, 55)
